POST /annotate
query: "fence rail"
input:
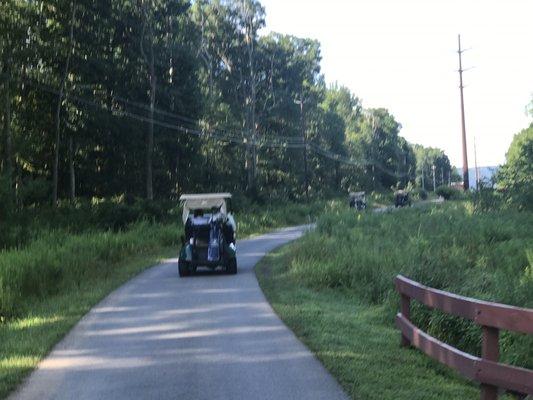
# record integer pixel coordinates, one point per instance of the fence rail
(490, 316)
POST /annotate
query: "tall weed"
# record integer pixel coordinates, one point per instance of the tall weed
(483, 255)
(58, 261)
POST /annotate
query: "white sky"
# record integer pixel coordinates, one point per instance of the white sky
(401, 55)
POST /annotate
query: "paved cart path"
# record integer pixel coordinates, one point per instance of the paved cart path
(205, 337)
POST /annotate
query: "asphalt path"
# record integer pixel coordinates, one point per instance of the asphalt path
(210, 336)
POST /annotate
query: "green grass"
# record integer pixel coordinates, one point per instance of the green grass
(26, 340)
(92, 266)
(50, 283)
(261, 219)
(334, 289)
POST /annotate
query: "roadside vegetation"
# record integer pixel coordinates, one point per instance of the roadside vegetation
(50, 280)
(90, 125)
(334, 288)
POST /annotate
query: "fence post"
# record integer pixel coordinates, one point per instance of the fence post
(490, 351)
(406, 312)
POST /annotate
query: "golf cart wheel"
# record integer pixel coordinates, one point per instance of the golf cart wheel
(183, 268)
(231, 266)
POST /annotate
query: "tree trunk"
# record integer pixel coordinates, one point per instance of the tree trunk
(150, 62)
(55, 172)
(71, 169)
(8, 156)
(337, 175)
(251, 147)
(150, 136)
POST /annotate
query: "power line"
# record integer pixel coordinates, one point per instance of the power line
(357, 163)
(271, 142)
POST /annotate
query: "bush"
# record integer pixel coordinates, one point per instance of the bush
(485, 198)
(7, 204)
(35, 192)
(448, 193)
(487, 256)
(420, 194)
(515, 178)
(58, 261)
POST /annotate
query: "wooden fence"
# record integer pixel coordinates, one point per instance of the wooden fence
(490, 316)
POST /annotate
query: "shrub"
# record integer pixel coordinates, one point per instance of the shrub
(485, 198)
(58, 261)
(487, 256)
(35, 192)
(420, 194)
(448, 192)
(6, 199)
(515, 178)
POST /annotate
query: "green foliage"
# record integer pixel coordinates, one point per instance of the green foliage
(34, 192)
(7, 204)
(354, 341)
(213, 74)
(431, 161)
(486, 256)
(41, 322)
(260, 218)
(515, 178)
(59, 261)
(448, 193)
(52, 281)
(419, 194)
(390, 160)
(92, 239)
(26, 224)
(486, 198)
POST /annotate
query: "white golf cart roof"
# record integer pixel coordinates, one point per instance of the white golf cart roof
(204, 201)
(357, 194)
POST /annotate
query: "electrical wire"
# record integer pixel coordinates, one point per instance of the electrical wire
(260, 142)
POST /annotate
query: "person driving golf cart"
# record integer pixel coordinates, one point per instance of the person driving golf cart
(358, 200)
(210, 234)
(402, 199)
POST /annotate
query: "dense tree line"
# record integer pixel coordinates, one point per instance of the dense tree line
(153, 98)
(515, 178)
(433, 167)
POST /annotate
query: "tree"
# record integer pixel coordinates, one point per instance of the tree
(14, 17)
(385, 153)
(250, 17)
(515, 177)
(60, 97)
(152, 98)
(426, 158)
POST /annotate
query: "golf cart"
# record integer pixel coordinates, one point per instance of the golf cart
(210, 231)
(401, 199)
(358, 200)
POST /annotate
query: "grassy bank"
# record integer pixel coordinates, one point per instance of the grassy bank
(48, 284)
(334, 288)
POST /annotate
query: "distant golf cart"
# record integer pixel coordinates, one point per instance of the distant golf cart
(358, 200)
(402, 199)
(210, 234)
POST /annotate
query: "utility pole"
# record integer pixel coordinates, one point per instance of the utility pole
(304, 137)
(465, 156)
(434, 183)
